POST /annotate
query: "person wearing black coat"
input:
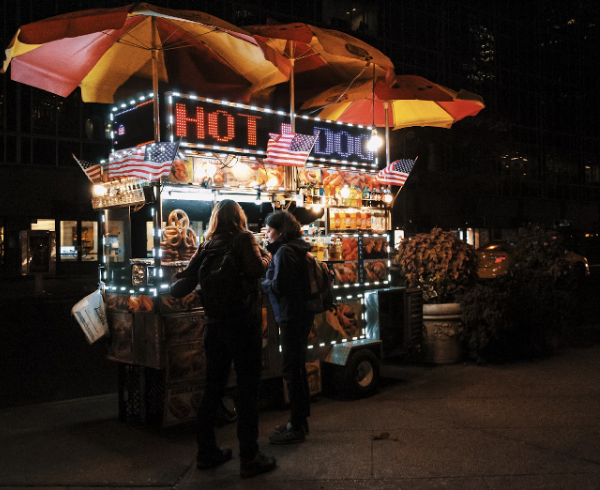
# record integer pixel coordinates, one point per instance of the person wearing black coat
(288, 286)
(228, 339)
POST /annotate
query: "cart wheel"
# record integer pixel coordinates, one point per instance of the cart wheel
(360, 376)
(226, 414)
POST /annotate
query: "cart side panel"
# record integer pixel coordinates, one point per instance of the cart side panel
(147, 339)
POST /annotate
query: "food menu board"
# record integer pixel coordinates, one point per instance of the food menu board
(330, 177)
(364, 260)
(344, 322)
(234, 172)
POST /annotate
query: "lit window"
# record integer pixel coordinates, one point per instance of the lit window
(68, 241)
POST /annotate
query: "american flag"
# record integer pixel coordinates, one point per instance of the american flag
(148, 162)
(289, 149)
(92, 170)
(396, 172)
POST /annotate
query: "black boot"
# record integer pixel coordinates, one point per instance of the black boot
(213, 458)
(260, 464)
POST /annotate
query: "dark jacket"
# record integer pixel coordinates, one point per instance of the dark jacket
(287, 281)
(253, 258)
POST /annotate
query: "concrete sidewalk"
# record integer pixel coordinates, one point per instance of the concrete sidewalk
(533, 425)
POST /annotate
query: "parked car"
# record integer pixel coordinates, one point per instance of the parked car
(494, 260)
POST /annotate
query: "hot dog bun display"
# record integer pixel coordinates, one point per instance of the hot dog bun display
(270, 176)
(179, 240)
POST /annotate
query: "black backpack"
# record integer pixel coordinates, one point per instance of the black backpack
(224, 289)
(321, 290)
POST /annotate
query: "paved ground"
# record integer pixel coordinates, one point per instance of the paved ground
(533, 425)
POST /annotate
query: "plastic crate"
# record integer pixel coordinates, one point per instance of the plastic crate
(141, 395)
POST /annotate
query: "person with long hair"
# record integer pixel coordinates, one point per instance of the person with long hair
(231, 337)
(288, 286)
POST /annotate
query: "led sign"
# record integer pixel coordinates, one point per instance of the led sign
(238, 128)
(217, 124)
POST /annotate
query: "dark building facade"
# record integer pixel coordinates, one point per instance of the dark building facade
(532, 155)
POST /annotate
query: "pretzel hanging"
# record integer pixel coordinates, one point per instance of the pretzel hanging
(172, 236)
(189, 237)
(178, 218)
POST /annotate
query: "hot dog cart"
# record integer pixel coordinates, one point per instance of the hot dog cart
(151, 230)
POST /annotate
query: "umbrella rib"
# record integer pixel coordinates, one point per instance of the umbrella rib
(127, 42)
(345, 90)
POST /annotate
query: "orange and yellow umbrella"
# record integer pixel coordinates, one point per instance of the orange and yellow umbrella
(411, 100)
(112, 53)
(316, 59)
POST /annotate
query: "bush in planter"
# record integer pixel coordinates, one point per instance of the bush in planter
(443, 266)
(440, 263)
(484, 316)
(541, 292)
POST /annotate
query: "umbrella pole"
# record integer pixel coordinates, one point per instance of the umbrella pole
(290, 172)
(386, 105)
(156, 190)
(155, 81)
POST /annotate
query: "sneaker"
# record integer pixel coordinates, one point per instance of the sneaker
(288, 426)
(214, 459)
(260, 464)
(288, 436)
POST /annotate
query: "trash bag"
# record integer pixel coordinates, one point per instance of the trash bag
(90, 313)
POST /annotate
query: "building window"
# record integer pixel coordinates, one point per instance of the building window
(2, 245)
(89, 241)
(44, 224)
(68, 241)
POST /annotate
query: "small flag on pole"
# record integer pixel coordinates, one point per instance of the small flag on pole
(148, 162)
(92, 170)
(396, 172)
(290, 149)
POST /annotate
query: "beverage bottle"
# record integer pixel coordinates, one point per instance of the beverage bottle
(359, 218)
(309, 197)
(348, 219)
(367, 221)
(352, 196)
(353, 220)
(358, 202)
(342, 214)
(366, 194)
(336, 219)
(321, 194)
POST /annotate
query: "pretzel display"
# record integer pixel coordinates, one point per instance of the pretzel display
(189, 237)
(178, 218)
(172, 235)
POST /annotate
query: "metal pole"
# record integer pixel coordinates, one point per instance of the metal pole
(155, 81)
(157, 194)
(290, 172)
(386, 105)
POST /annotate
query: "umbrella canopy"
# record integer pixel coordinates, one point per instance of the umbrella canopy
(319, 58)
(110, 51)
(412, 101)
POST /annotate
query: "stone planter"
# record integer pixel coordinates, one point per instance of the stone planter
(442, 326)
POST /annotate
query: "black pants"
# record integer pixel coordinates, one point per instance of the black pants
(240, 343)
(294, 339)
